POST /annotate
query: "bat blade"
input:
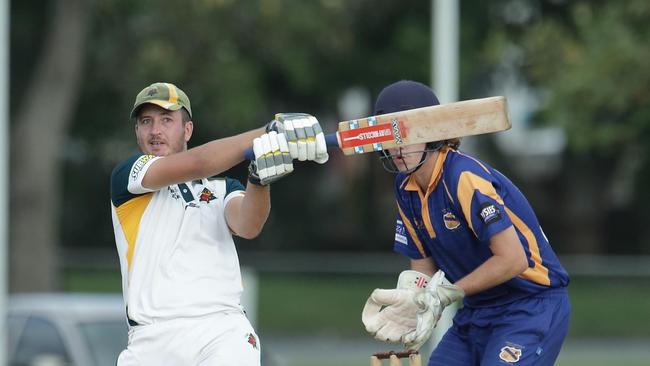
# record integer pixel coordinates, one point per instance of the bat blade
(421, 125)
(435, 123)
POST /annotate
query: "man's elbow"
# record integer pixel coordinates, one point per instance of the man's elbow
(250, 232)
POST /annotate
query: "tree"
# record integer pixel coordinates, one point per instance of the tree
(591, 60)
(240, 62)
(39, 132)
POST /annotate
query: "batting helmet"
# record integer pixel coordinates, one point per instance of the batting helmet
(403, 95)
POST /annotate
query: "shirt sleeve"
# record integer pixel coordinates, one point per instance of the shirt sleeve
(234, 188)
(126, 178)
(479, 195)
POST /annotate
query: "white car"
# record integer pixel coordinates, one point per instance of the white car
(56, 329)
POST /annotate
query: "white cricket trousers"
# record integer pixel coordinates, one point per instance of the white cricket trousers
(222, 339)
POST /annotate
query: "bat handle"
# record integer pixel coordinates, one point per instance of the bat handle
(249, 154)
(331, 140)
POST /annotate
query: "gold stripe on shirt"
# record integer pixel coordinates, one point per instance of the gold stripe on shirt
(538, 273)
(469, 182)
(130, 213)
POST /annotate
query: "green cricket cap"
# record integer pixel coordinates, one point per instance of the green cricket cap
(165, 95)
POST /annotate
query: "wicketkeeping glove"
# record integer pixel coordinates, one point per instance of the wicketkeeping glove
(272, 159)
(304, 136)
(391, 314)
(431, 302)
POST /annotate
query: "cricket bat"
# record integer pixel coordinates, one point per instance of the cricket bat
(413, 126)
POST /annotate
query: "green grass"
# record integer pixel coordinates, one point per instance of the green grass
(324, 304)
(331, 304)
(93, 280)
(587, 360)
(610, 307)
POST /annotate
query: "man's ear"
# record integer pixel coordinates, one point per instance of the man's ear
(189, 128)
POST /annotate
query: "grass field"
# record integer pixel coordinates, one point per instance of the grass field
(609, 323)
(331, 304)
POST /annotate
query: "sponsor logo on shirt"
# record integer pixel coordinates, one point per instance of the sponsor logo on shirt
(490, 213)
(400, 233)
(451, 222)
(139, 165)
(510, 353)
(173, 192)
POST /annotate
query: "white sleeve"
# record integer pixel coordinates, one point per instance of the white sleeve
(232, 195)
(233, 188)
(137, 173)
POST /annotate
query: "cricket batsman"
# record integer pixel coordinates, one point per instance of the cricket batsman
(174, 221)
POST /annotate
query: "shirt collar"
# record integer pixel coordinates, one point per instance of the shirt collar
(412, 184)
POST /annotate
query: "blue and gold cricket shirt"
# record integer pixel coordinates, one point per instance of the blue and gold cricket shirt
(466, 203)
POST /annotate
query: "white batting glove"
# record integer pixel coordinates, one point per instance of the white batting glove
(389, 315)
(438, 295)
(304, 136)
(272, 159)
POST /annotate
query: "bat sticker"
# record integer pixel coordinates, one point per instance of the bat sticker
(398, 130)
(367, 135)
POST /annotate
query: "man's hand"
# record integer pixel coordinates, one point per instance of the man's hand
(304, 136)
(272, 159)
(431, 303)
(391, 314)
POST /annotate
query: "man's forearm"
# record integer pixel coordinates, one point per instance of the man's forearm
(254, 211)
(492, 272)
(203, 161)
(220, 155)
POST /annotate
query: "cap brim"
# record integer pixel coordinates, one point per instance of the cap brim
(161, 103)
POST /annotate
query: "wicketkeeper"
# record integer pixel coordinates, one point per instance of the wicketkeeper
(473, 237)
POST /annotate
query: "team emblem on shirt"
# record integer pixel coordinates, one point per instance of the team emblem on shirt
(252, 340)
(490, 213)
(510, 353)
(206, 196)
(451, 222)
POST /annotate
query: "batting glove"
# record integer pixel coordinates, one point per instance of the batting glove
(272, 160)
(431, 302)
(304, 136)
(389, 315)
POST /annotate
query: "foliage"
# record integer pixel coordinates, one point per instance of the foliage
(587, 60)
(242, 61)
(595, 66)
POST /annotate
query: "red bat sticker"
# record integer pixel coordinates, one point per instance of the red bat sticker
(373, 134)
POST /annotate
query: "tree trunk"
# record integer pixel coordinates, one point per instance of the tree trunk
(38, 137)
